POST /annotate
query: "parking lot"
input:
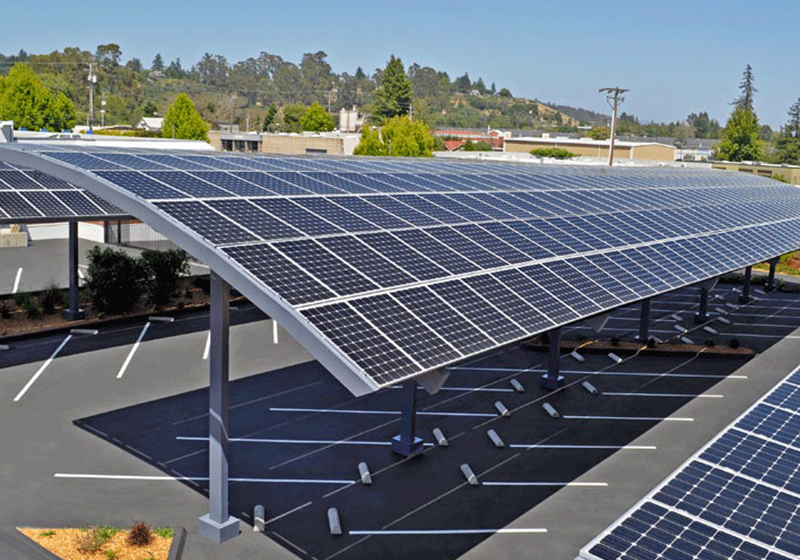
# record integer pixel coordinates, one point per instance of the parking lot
(99, 429)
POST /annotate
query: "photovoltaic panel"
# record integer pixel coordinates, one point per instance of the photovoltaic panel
(508, 249)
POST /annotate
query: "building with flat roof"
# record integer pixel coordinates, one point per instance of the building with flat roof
(651, 151)
(781, 172)
(284, 143)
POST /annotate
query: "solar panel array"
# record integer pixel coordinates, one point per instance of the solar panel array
(405, 265)
(739, 497)
(30, 196)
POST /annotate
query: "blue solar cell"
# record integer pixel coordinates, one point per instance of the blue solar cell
(534, 251)
(270, 183)
(188, 184)
(443, 255)
(254, 219)
(141, 185)
(425, 206)
(465, 247)
(217, 229)
(15, 206)
(361, 257)
(404, 256)
(47, 203)
(362, 207)
(561, 289)
(422, 344)
(297, 216)
(279, 274)
(308, 183)
(79, 159)
(510, 304)
(232, 183)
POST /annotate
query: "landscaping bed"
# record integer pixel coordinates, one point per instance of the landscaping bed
(622, 348)
(101, 543)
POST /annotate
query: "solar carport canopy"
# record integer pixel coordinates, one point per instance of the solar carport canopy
(386, 269)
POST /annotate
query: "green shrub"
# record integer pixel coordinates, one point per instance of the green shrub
(116, 280)
(51, 297)
(111, 555)
(556, 153)
(32, 308)
(22, 298)
(734, 343)
(163, 270)
(651, 342)
(164, 532)
(204, 283)
(470, 146)
(5, 312)
(92, 540)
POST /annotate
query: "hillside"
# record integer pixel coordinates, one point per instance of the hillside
(241, 92)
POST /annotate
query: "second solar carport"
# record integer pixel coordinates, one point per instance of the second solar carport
(361, 295)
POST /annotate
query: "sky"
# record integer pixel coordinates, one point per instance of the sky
(676, 57)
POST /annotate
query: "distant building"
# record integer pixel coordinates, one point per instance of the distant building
(650, 151)
(350, 120)
(151, 124)
(493, 137)
(285, 143)
(786, 173)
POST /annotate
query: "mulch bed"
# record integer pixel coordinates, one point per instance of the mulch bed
(64, 544)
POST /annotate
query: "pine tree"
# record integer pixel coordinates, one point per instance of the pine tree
(787, 145)
(745, 100)
(183, 121)
(269, 117)
(158, 63)
(393, 97)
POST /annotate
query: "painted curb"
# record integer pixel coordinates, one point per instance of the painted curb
(176, 549)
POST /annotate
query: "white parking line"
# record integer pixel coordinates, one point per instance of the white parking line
(208, 346)
(16, 281)
(295, 441)
(556, 446)
(503, 531)
(588, 484)
(42, 368)
(133, 351)
(617, 373)
(633, 418)
(157, 478)
(665, 395)
(274, 331)
(387, 412)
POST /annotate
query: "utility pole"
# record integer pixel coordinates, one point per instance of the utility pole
(103, 110)
(615, 94)
(92, 81)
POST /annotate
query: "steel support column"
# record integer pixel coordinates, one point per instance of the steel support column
(770, 285)
(407, 443)
(74, 312)
(218, 526)
(702, 312)
(552, 380)
(644, 320)
(745, 297)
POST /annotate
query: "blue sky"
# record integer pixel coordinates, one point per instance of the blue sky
(676, 57)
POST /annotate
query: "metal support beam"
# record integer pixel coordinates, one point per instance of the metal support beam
(74, 312)
(770, 285)
(407, 443)
(218, 526)
(745, 297)
(552, 380)
(702, 312)
(644, 320)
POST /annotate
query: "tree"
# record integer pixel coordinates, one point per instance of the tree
(599, 133)
(787, 145)
(292, 114)
(740, 138)
(400, 136)
(371, 144)
(704, 127)
(109, 55)
(463, 84)
(24, 100)
(149, 109)
(175, 70)
(745, 100)
(269, 117)
(316, 119)
(183, 121)
(393, 97)
(158, 63)
(504, 93)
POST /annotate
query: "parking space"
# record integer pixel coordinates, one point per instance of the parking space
(115, 426)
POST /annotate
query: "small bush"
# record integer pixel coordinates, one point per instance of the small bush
(164, 532)
(139, 534)
(51, 297)
(5, 312)
(734, 343)
(22, 298)
(651, 342)
(106, 532)
(204, 283)
(163, 270)
(614, 341)
(545, 338)
(710, 342)
(556, 153)
(32, 308)
(91, 541)
(111, 555)
(47, 534)
(115, 281)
